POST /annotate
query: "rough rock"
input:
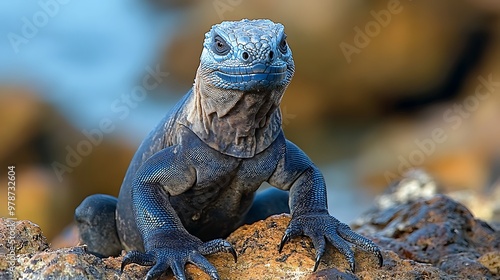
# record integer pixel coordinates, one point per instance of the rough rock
(437, 231)
(24, 237)
(18, 238)
(430, 238)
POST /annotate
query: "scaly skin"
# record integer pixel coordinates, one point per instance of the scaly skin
(193, 179)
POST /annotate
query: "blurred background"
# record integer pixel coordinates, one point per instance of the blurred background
(380, 87)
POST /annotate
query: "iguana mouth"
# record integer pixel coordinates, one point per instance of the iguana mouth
(256, 72)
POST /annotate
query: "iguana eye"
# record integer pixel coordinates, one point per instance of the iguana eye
(283, 45)
(220, 46)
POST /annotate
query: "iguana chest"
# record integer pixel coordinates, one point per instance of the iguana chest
(224, 188)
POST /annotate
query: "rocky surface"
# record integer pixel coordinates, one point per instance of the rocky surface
(437, 231)
(428, 238)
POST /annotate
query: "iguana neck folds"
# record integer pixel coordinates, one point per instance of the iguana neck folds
(234, 122)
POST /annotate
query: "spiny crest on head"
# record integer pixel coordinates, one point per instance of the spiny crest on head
(246, 31)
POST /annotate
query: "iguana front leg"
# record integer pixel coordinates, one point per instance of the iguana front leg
(167, 243)
(309, 210)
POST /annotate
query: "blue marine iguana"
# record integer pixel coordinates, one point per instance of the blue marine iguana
(193, 179)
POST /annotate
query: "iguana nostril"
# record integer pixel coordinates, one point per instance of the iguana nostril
(271, 55)
(245, 55)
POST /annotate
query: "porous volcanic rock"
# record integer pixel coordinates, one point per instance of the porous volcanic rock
(430, 238)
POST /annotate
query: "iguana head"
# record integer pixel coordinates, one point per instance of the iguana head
(245, 67)
(246, 55)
